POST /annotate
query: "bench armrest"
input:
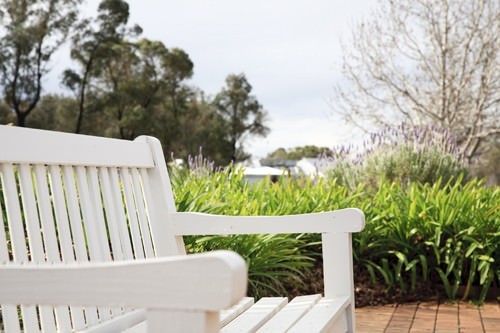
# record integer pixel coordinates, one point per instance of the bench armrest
(210, 281)
(343, 220)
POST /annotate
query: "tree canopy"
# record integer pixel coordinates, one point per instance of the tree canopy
(31, 32)
(426, 62)
(243, 114)
(120, 83)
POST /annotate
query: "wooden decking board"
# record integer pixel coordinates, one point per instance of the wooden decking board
(469, 319)
(373, 319)
(428, 317)
(402, 318)
(490, 317)
(425, 318)
(447, 318)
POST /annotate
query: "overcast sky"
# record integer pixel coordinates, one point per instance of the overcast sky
(289, 51)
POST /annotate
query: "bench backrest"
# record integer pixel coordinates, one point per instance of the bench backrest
(76, 198)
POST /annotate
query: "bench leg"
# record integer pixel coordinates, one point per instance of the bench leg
(338, 271)
(181, 321)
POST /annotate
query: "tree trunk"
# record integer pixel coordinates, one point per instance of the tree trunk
(21, 119)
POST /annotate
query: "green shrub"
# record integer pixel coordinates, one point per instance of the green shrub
(403, 155)
(446, 234)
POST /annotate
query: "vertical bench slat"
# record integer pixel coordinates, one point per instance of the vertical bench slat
(100, 225)
(89, 220)
(8, 312)
(109, 211)
(36, 247)
(30, 214)
(110, 215)
(17, 237)
(75, 219)
(52, 251)
(121, 220)
(46, 216)
(96, 207)
(4, 250)
(88, 214)
(61, 217)
(131, 210)
(63, 230)
(143, 220)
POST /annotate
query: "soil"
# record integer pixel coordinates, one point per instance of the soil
(367, 293)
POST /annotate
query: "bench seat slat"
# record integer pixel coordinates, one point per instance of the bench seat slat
(256, 316)
(323, 316)
(290, 314)
(233, 312)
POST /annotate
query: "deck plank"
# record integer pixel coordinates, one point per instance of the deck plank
(447, 318)
(373, 319)
(402, 318)
(469, 318)
(425, 318)
(490, 316)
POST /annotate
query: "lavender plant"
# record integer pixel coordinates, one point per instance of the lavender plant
(402, 154)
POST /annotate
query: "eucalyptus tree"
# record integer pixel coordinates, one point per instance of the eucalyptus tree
(242, 113)
(137, 79)
(426, 62)
(30, 32)
(92, 44)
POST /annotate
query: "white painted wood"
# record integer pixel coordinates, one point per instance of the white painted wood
(61, 215)
(227, 315)
(81, 254)
(52, 255)
(89, 218)
(344, 220)
(252, 319)
(13, 212)
(121, 220)
(92, 237)
(48, 147)
(123, 187)
(164, 242)
(160, 201)
(17, 237)
(176, 321)
(111, 217)
(74, 214)
(290, 314)
(4, 251)
(141, 214)
(337, 257)
(323, 316)
(9, 312)
(153, 283)
(46, 216)
(30, 213)
(119, 323)
(131, 209)
(96, 210)
(99, 186)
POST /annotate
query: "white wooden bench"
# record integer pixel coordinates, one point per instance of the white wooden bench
(90, 241)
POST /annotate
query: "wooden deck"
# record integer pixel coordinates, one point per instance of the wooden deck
(429, 317)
